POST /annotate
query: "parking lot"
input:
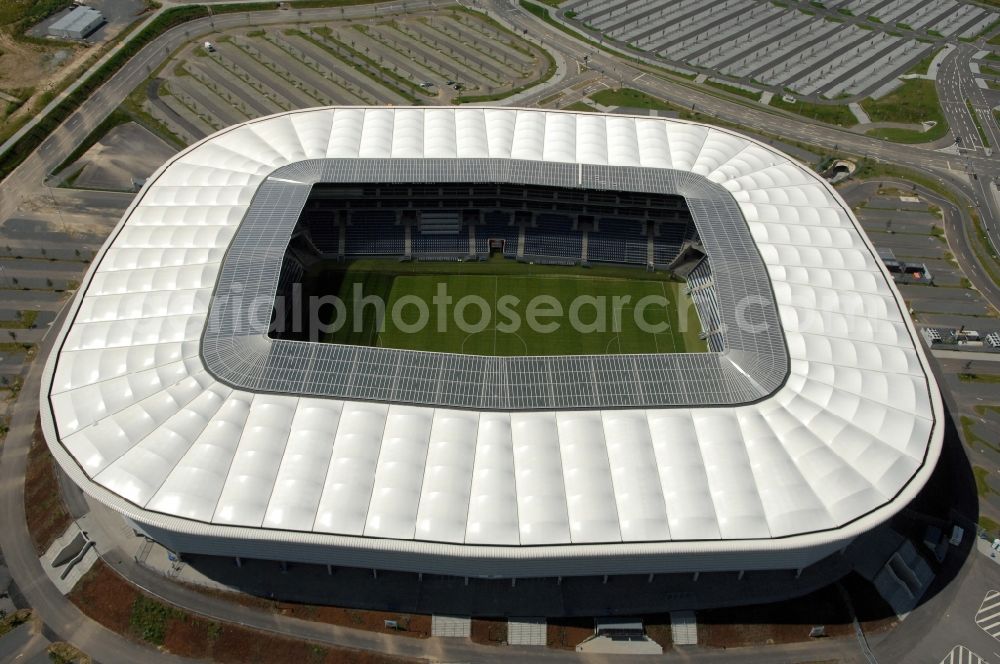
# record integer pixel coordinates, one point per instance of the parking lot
(831, 49)
(913, 231)
(443, 57)
(44, 251)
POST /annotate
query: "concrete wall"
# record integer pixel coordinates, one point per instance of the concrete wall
(516, 564)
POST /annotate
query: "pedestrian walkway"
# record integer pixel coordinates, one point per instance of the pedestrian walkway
(988, 615)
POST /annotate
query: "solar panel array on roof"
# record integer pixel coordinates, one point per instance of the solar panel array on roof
(253, 266)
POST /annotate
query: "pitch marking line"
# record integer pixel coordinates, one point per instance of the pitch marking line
(673, 331)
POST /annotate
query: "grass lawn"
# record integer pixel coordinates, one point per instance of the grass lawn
(732, 89)
(505, 291)
(923, 65)
(989, 525)
(983, 487)
(837, 114)
(914, 101)
(631, 99)
(22, 14)
(580, 106)
(978, 378)
(989, 71)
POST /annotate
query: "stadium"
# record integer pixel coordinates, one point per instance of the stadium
(771, 404)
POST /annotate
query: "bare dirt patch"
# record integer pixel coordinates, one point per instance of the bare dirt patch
(105, 597)
(567, 633)
(781, 622)
(489, 631)
(29, 65)
(110, 600)
(44, 510)
(410, 624)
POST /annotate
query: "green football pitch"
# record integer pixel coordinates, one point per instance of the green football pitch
(504, 308)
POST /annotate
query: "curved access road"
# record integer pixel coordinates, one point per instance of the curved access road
(57, 612)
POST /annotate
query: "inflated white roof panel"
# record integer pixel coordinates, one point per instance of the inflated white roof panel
(852, 433)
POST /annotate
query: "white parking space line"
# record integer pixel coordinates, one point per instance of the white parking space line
(988, 615)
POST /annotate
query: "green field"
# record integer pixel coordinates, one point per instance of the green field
(505, 308)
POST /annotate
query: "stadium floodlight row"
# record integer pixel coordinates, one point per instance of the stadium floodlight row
(212, 442)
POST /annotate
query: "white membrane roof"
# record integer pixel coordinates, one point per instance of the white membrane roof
(852, 434)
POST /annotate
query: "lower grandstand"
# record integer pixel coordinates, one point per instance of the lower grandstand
(534, 223)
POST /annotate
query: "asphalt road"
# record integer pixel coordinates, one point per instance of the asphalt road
(957, 89)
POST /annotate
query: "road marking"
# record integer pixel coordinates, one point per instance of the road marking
(988, 615)
(962, 655)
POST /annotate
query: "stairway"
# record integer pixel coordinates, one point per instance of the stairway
(458, 627)
(684, 628)
(444, 222)
(526, 631)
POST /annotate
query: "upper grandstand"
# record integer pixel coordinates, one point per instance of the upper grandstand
(810, 417)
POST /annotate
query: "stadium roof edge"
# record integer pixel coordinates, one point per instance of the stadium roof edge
(131, 414)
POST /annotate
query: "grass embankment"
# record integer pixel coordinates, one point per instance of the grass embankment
(835, 114)
(925, 64)
(983, 487)
(913, 102)
(732, 89)
(630, 98)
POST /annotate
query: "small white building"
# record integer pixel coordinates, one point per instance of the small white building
(77, 24)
